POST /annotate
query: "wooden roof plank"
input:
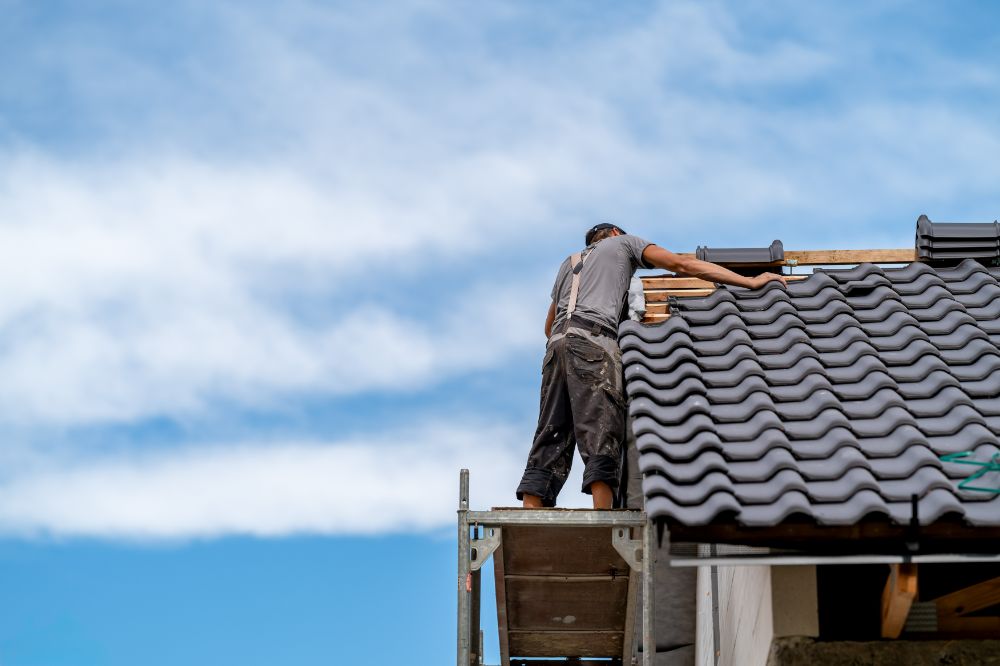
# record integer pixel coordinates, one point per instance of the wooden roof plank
(841, 257)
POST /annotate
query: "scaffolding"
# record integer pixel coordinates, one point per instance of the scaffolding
(567, 584)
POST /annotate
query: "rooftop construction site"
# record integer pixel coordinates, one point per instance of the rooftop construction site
(818, 474)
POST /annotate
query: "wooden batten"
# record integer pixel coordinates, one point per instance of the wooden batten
(969, 627)
(657, 309)
(841, 257)
(897, 597)
(662, 295)
(658, 289)
(657, 282)
(969, 599)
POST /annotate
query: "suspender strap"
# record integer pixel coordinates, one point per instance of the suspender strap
(577, 263)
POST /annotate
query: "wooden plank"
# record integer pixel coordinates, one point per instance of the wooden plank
(549, 605)
(661, 295)
(501, 597)
(897, 597)
(569, 643)
(838, 257)
(660, 288)
(969, 599)
(474, 625)
(582, 551)
(968, 627)
(556, 578)
(565, 592)
(582, 662)
(673, 282)
(656, 308)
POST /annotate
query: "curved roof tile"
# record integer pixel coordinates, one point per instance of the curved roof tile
(832, 399)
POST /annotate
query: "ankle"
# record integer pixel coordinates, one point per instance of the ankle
(531, 502)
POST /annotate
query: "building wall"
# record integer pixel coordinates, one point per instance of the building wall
(745, 617)
(705, 625)
(745, 608)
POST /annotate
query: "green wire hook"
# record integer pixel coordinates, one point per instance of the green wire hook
(991, 465)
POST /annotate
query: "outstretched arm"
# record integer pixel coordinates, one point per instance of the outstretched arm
(549, 318)
(661, 258)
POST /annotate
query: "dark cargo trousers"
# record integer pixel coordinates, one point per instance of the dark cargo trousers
(582, 401)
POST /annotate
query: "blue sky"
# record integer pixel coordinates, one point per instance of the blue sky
(275, 273)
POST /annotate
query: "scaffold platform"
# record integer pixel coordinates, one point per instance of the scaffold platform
(568, 584)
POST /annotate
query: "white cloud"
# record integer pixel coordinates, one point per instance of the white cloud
(158, 281)
(400, 481)
(246, 221)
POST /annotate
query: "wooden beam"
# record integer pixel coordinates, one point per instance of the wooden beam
(897, 597)
(655, 282)
(656, 308)
(969, 599)
(688, 287)
(673, 282)
(837, 257)
(968, 627)
(662, 295)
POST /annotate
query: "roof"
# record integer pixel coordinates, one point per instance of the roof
(831, 401)
(951, 241)
(772, 254)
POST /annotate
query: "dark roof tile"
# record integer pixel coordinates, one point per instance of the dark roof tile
(833, 399)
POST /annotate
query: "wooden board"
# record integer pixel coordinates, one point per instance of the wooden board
(658, 289)
(662, 295)
(567, 603)
(897, 597)
(656, 308)
(673, 282)
(969, 599)
(559, 643)
(841, 257)
(969, 627)
(565, 592)
(528, 551)
(655, 283)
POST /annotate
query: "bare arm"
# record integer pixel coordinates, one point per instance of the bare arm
(661, 258)
(549, 318)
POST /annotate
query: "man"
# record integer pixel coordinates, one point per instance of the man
(582, 394)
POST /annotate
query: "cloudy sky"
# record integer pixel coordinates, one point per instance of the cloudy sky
(273, 273)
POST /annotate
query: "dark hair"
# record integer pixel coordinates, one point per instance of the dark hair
(601, 231)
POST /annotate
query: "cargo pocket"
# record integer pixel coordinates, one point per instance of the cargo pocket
(590, 362)
(549, 355)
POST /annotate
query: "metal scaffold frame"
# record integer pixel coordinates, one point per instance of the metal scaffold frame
(480, 534)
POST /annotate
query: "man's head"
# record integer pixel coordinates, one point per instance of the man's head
(602, 231)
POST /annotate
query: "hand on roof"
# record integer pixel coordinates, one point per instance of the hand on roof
(762, 279)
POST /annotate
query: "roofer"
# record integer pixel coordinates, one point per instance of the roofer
(583, 398)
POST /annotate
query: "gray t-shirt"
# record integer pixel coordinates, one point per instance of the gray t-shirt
(604, 280)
